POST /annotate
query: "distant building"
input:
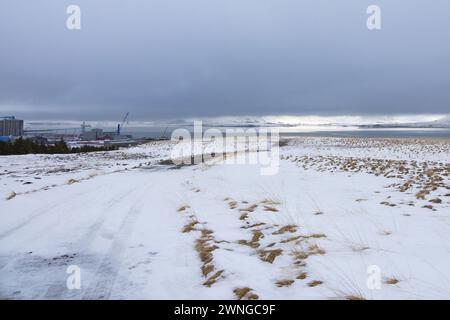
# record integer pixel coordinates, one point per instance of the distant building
(94, 134)
(10, 126)
(99, 134)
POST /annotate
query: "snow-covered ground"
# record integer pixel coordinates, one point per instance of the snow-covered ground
(340, 214)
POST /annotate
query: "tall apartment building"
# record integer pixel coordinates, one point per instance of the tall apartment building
(10, 126)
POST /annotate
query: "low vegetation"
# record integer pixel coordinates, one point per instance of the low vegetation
(26, 146)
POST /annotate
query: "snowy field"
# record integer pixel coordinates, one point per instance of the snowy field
(340, 214)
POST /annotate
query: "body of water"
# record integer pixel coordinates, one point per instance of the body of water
(157, 132)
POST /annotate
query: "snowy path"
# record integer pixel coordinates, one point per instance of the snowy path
(86, 224)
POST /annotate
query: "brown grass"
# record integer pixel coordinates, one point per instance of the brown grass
(314, 283)
(270, 255)
(284, 283)
(190, 226)
(232, 204)
(244, 215)
(204, 250)
(245, 293)
(289, 228)
(253, 225)
(354, 298)
(271, 202)
(391, 281)
(249, 208)
(290, 239)
(302, 276)
(254, 242)
(315, 249)
(182, 208)
(270, 208)
(72, 181)
(213, 279)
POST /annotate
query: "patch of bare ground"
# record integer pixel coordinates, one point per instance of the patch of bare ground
(245, 294)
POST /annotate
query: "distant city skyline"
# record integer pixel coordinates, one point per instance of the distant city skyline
(215, 58)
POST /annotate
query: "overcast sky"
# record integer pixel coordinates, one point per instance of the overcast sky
(199, 58)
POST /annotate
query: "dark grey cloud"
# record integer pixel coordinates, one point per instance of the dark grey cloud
(188, 58)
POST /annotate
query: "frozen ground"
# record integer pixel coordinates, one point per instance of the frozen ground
(139, 228)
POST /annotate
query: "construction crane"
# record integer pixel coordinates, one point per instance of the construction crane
(120, 125)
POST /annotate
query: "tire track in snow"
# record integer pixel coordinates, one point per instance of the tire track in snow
(58, 287)
(46, 210)
(106, 273)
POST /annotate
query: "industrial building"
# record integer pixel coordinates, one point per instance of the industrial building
(10, 126)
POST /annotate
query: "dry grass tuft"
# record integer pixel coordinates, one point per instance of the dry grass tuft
(315, 249)
(271, 202)
(316, 235)
(253, 225)
(290, 239)
(354, 298)
(270, 208)
(232, 204)
(244, 215)
(250, 208)
(254, 242)
(314, 283)
(207, 269)
(270, 255)
(211, 280)
(391, 281)
(182, 208)
(284, 283)
(302, 276)
(190, 226)
(289, 228)
(245, 293)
